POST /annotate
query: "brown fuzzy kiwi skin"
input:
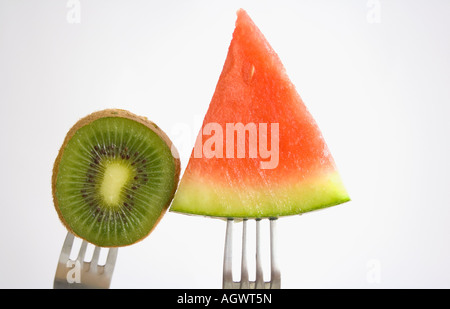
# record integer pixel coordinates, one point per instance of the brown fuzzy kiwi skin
(121, 114)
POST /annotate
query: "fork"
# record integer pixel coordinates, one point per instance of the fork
(78, 274)
(244, 283)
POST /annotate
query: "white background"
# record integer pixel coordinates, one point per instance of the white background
(374, 74)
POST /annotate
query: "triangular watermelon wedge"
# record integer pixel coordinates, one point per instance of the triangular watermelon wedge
(259, 153)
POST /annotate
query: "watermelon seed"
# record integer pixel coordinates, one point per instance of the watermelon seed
(248, 71)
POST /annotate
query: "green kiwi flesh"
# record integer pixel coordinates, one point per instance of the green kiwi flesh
(114, 178)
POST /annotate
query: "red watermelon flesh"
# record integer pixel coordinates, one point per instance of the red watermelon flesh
(259, 153)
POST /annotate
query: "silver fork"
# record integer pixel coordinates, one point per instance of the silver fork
(78, 274)
(244, 283)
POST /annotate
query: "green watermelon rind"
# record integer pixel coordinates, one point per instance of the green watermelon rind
(199, 198)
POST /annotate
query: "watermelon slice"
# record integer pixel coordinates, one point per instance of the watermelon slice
(259, 153)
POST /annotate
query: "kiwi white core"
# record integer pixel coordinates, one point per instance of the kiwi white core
(115, 178)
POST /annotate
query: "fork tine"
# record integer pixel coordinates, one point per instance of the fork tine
(227, 282)
(111, 261)
(95, 258)
(95, 255)
(82, 252)
(245, 283)
(275, 276)
(259, 283)
(66, 248)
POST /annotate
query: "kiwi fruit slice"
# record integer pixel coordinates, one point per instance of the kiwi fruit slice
(114, 178)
